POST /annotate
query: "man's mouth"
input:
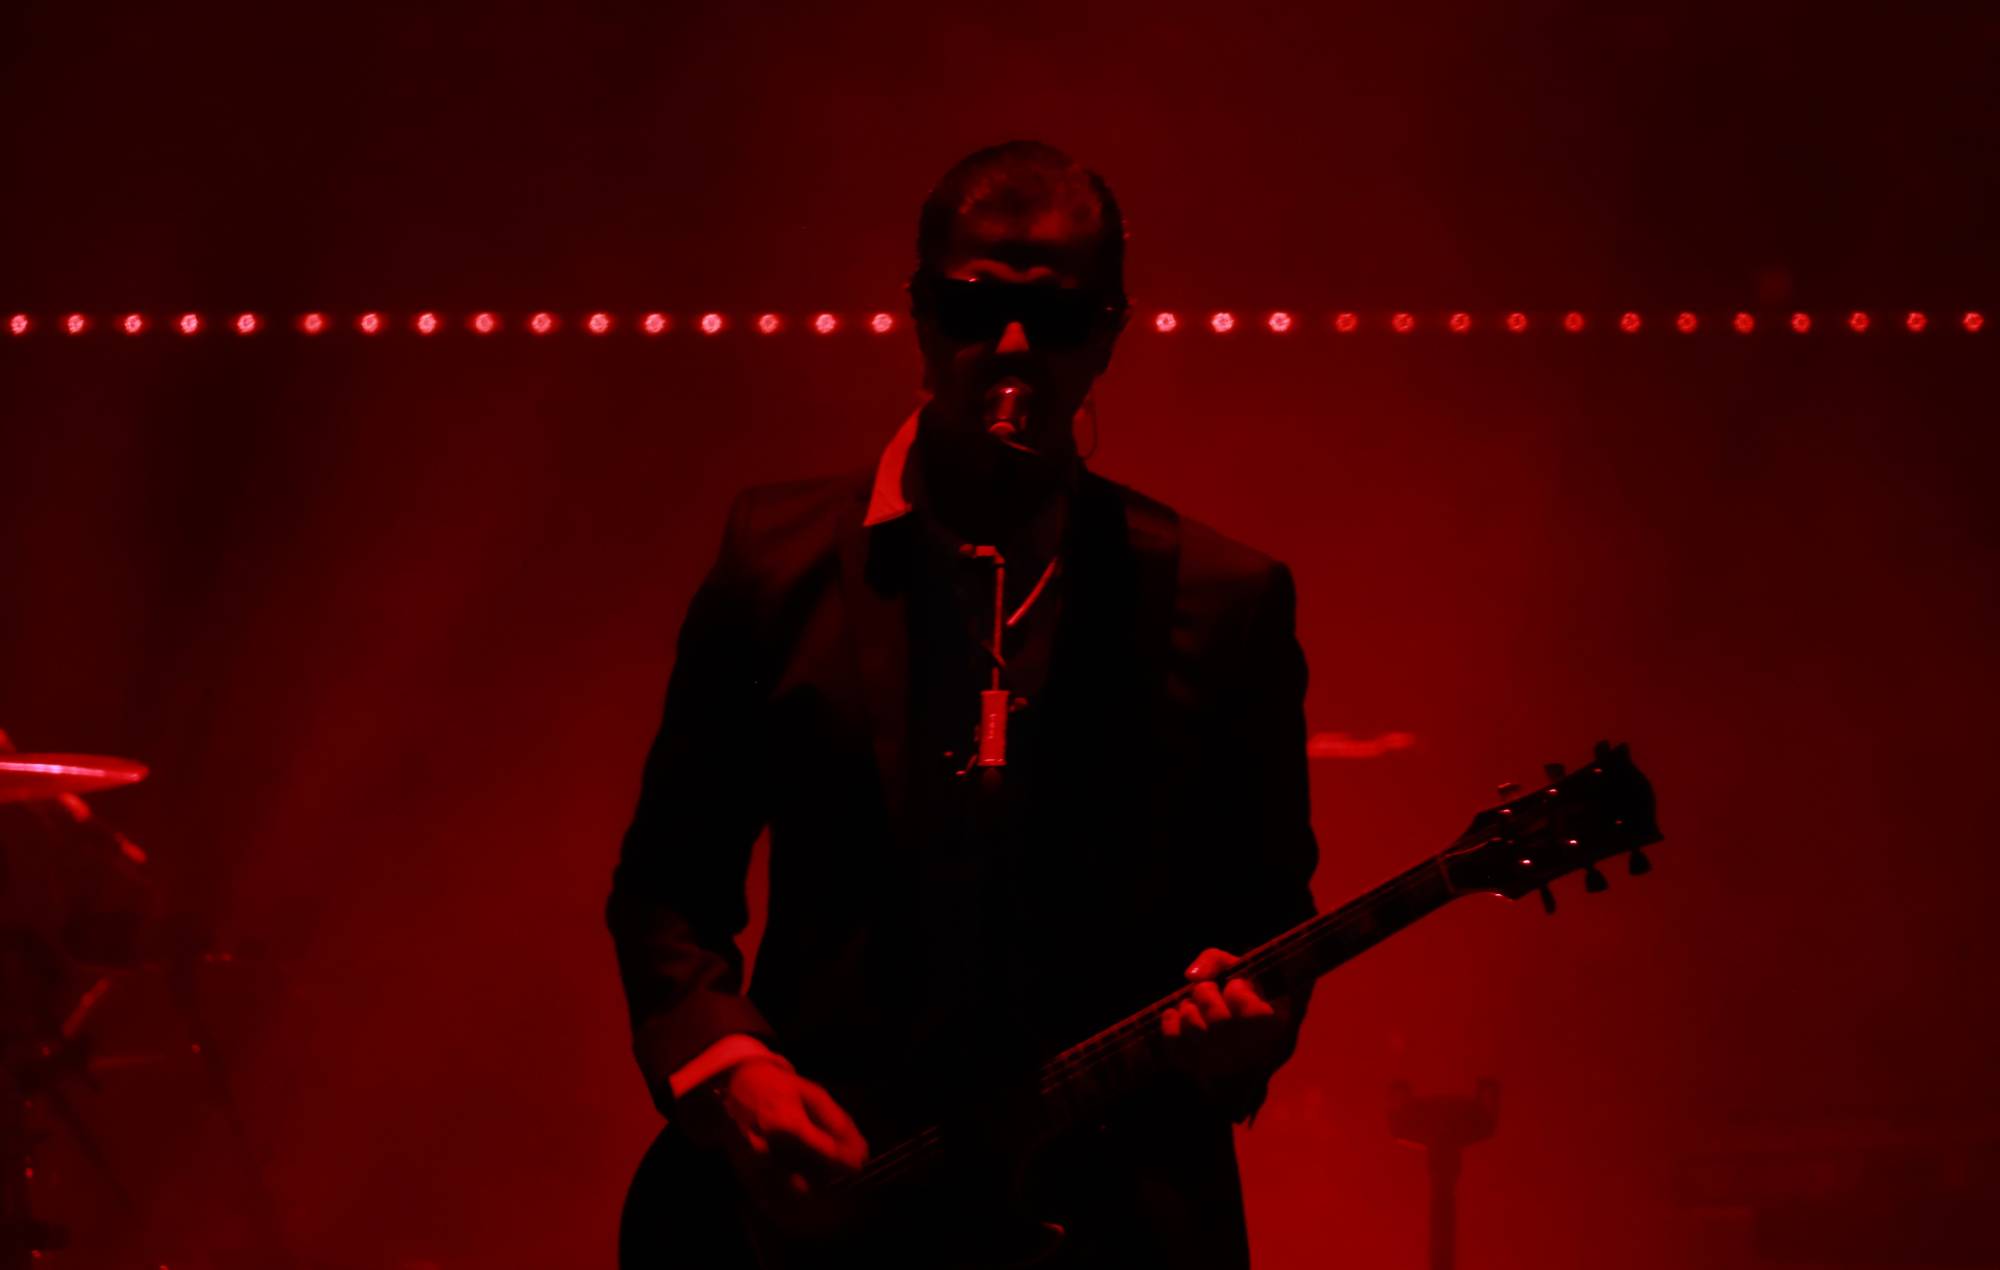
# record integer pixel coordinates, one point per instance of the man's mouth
(1008, 405)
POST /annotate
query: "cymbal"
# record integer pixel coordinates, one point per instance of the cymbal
(24, 777)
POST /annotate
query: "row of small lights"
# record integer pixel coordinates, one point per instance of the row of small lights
(1221, 323)
(429, 323)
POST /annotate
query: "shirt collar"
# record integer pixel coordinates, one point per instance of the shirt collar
(889, 500)
(899, 488)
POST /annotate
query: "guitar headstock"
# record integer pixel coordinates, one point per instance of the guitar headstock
(1570, 823)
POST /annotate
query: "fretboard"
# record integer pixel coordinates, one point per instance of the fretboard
(1080, 1085)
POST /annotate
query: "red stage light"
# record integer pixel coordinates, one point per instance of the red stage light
(133, 323)
(188, 323)
(1165, 322)
(1916, 322)
(484, 323)
(247, 323)
(312, 323)
(1222, 323)
(711, 323)
(1517, 322)
(1279, 322)
(1629, 323)
(19, 324)
(882, 323)
(1744, 323)
(1801, 322)
(597, 323)
(1686, 323)
(542, 323)
(653, 323)
(1973, 321)
(1573, 321)
(1459, 323)
(768, 324)
(1345, 322)
(825, 323)
(369, 323)
(1402, 323)
(426, 323)
(1857, 321)
(76, 324)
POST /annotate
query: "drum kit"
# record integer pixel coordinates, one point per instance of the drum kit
(81, 920)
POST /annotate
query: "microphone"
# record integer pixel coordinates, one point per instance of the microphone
(1008, 402)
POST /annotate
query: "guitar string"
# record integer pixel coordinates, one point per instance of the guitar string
(905, 1155)
(1091, 1053)
(1314, 932)
(909, 1153)
(1289, 944)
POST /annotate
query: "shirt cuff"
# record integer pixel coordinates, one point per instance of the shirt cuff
(737, 1047)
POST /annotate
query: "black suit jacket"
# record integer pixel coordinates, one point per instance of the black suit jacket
(1164, 810)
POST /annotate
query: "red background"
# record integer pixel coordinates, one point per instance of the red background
(391, 620)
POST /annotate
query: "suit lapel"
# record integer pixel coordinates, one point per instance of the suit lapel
(1111, 655)
(874, 564)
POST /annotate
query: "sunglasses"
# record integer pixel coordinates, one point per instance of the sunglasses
(976, 312)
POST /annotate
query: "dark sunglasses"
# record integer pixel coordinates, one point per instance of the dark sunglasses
(976, 312)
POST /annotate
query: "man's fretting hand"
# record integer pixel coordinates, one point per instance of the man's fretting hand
(785, 1137)
(1227, 1032)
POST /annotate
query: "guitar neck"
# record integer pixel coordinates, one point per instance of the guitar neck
(1080, 1085)
(1570, 824)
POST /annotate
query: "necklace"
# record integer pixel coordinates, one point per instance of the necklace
(995, 701)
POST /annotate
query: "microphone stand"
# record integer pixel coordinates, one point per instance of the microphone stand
(1443, 1126)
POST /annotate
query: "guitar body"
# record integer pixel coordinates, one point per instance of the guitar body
(685, 1209)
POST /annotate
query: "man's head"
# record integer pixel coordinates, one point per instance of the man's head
(1020, 279)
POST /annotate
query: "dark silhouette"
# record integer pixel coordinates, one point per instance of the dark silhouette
(939, 921)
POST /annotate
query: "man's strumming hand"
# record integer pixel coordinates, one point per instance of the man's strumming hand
(1227, 1032)
(785, 1137)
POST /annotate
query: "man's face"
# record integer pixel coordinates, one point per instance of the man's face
(1055, 344)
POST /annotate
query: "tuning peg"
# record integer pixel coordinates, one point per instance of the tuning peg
(1594, 882)
(1555, 771)
(1548, 900)
(1506, 789)
(1638, 865)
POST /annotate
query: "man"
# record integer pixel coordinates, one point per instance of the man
(979, 855)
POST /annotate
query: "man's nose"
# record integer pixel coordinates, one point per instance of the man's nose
(1012, 340)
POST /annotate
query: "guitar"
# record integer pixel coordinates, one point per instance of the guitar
(946, 1196)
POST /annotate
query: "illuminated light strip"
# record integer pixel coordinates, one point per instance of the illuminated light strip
(1163, 321)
